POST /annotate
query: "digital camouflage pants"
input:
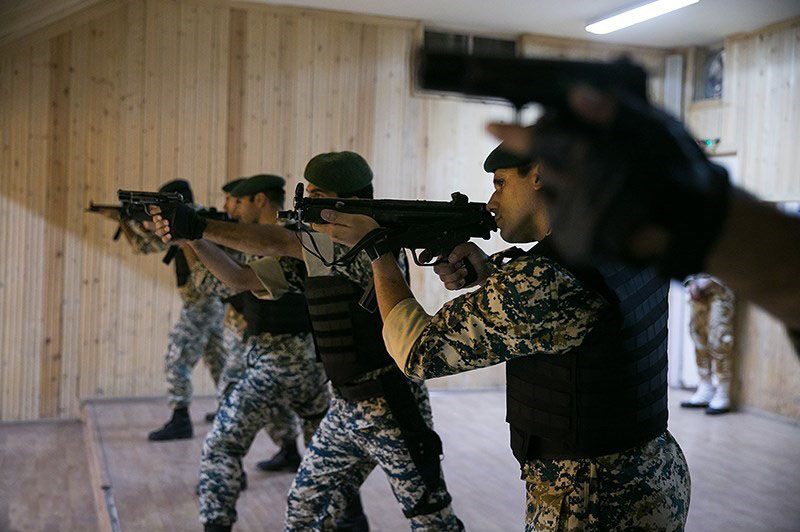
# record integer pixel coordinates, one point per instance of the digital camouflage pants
(282, 371)
(644, 489)
(354, 437)
(196, 334)
(282, 425)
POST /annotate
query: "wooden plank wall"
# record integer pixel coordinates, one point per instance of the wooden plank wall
(132, 93)
(758, 119)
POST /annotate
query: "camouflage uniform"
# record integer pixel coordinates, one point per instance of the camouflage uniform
(711, 327)
(283, 426)
(527, 306)
(281, 373)
(354, 437)
(197, 333)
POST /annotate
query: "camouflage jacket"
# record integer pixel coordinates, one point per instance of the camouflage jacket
(528, 306)
(277, 281)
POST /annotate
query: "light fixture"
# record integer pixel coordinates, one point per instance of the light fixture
(635, 15)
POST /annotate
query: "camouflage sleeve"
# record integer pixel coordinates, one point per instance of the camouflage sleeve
(141, 240)
(359, 271)
(528, 306)
(278, 276)
(206, 283)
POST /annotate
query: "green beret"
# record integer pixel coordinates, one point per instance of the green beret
(500, 158)
(230, 185)
(342, 172)
(258, 183)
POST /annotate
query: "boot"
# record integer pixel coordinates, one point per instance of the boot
(287, 459)
(210, 416)
(216, 527)
(721, 402)
(704, 393)
(353, 518)
(177, 428)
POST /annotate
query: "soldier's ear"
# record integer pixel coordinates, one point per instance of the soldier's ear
(535, 176)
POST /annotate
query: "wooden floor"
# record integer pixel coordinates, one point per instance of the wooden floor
(44, 478)
(745, 472)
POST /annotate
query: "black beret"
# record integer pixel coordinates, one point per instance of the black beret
(230, 185)
(342, 172)
(500, 158)
(180, 186)
(258, 183)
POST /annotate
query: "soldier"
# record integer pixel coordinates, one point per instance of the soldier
(711, 327)
(198, 331)
(377, 416)
(282, 428)
(586, 363)
(281, 368)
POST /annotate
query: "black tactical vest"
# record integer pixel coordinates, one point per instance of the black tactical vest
(607, 395)
(287, 315)
(349, 339)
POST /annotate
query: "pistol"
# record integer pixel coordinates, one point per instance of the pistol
(521, 81)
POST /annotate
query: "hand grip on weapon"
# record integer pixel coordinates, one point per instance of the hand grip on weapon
(466, 266)
(624, 180)
(179, 222)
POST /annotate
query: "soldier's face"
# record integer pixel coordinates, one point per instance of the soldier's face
(516, 205)
(246, 210)
(230, 205)
(313, 191)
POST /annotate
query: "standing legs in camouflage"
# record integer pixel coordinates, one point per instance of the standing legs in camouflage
(188, 340)
(284, 372)
(711, 328)
(353, 438)
(281, 426)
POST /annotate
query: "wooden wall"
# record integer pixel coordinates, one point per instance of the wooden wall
(132, 93)
(758, 121)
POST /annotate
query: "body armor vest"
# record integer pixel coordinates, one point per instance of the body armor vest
(610, 393)
(349, 339)
(287, 315)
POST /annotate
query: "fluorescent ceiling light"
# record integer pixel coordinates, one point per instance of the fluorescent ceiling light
(636, 15)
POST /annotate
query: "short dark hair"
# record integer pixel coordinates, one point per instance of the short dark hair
(364, 193)
(276, 196)
(525, 168)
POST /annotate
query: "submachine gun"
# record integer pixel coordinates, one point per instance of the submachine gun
(435, 227)
(133, 206)
(137, 203)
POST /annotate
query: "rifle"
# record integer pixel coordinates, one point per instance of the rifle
(123, 211)
(435, 227)
(521, 81)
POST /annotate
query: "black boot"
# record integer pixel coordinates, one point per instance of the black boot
(353, 518)
(287, 459)
(177, 428)
(216, 527)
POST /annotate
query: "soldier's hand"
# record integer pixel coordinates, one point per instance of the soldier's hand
(160, 225)
(624, 180)
(182, 223)
(452, 271)
(345, 228)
